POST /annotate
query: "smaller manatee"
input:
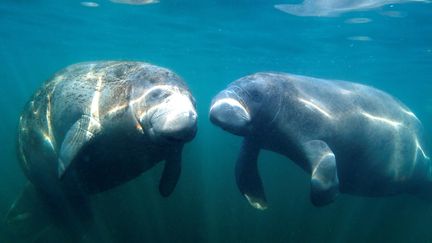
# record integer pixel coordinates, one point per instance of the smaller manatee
(349, 137)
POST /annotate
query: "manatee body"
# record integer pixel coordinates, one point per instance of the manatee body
(349, 137)
(96, 125)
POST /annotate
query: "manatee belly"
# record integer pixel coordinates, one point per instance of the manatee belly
(101, 166)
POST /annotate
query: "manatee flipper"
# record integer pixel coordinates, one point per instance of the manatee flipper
(81, 132)
(247, 175)
(324, 178)
(171, 173)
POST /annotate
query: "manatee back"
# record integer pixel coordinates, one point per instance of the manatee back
(61, 101)
(92, 88)
(338, 103)
(36, 145)
(342, 97)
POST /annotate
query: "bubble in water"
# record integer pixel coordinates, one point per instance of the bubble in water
(394, 14)
(359, 38)
(90, 4)
(358, 21)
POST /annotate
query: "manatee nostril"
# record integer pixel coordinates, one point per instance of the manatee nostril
(192, 114)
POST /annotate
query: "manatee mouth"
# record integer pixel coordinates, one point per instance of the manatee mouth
(173, 126)
(172, 139)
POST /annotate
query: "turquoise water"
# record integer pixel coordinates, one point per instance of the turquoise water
(210, 44)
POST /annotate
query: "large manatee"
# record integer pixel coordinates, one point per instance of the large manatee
(96, 125)
(349, 137)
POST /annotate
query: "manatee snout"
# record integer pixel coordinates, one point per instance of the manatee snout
(177, 125)
(229, 114)
(175, 120)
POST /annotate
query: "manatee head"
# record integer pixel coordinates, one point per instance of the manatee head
(165, 111)
(246, 105)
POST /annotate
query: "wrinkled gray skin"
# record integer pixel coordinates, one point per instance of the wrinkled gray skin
(96, 125)
(349, 137)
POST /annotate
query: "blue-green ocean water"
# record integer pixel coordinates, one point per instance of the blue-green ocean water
(210, 44)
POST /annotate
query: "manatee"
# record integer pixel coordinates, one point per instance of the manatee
(350, 138)
(96, 125)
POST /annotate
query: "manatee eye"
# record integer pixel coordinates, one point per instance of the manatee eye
(256, 95)
(158, 94)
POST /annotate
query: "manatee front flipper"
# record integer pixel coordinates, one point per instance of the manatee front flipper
(247, 175)
(324, 181)
(81, 132)
(171, 173)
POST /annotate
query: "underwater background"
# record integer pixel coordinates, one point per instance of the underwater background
(210, 44)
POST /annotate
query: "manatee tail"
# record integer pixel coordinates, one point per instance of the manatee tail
(26, 219)
(34, 217)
